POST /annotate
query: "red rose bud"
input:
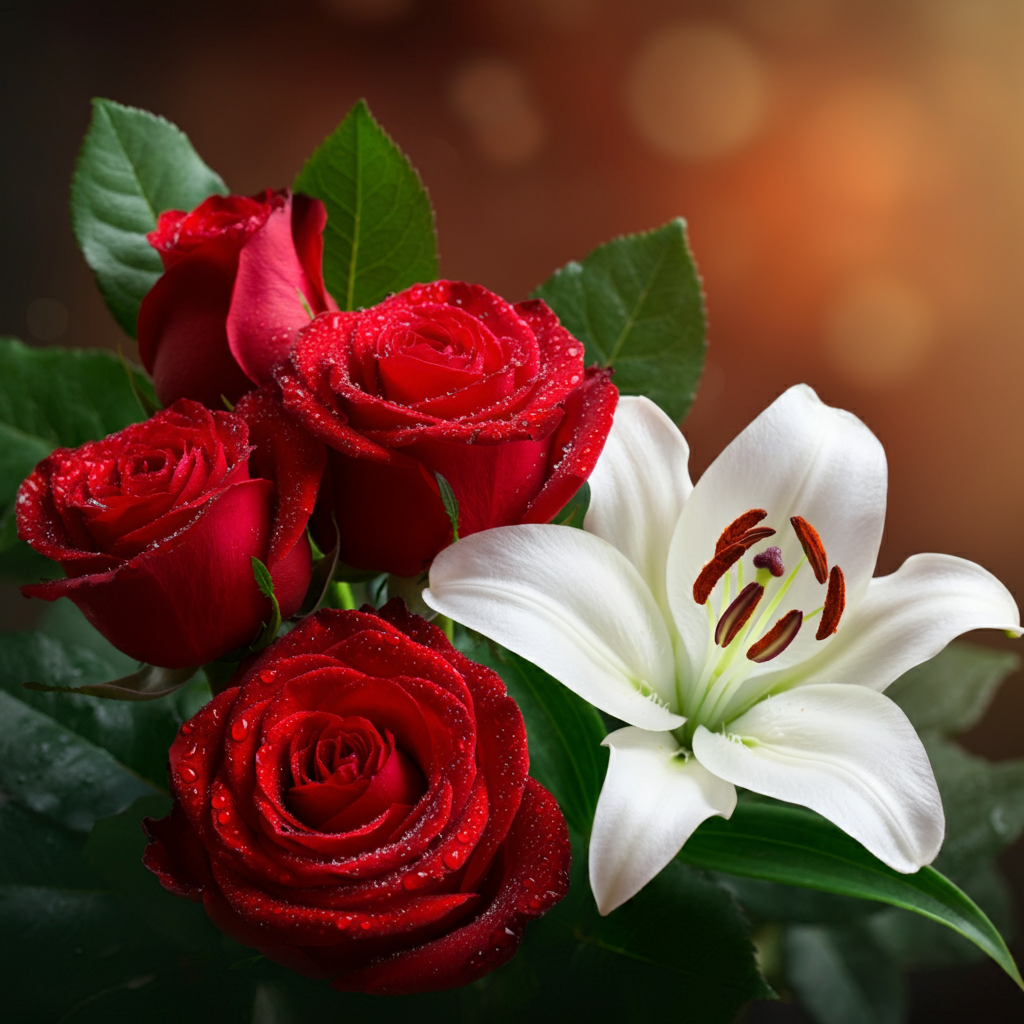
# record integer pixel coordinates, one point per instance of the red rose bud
(444, 378)
(236, 272)
(156, 527)
(356, 807)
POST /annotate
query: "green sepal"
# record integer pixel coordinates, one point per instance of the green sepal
(575, 510)
(451, 504)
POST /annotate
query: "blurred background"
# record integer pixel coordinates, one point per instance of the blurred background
(852, 172)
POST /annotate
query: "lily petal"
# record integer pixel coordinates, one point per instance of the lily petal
(906, 618)
(799, 457)
(848, 753)
(638, 488)
(649, 806)
(570, 603)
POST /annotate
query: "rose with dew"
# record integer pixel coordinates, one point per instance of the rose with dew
(241, 275)
(156, 527)
(444, 378)
(735, 625)
(356, 807)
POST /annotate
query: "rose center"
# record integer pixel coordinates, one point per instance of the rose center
(345, 773)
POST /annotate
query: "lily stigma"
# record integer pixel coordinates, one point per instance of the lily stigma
(736, 627)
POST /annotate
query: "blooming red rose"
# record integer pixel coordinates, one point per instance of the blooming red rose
(445, 377)
(356, 807)
(236, 270)
(156, 527)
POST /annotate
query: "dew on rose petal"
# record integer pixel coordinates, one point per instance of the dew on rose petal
(365, 925)
(268, 674)
(224, 817)
(464, 837)
(528, 883)
(343, 922)
(186, 728)
(240, 730)
(533, 903)
(417, 880)
(453, 858)
(219, 800)
(187, 773)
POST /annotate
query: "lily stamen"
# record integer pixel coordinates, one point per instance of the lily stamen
(740, 535)
(739, 526)
(813, 548)
(778, 638)
(736, 615)
(835, 602)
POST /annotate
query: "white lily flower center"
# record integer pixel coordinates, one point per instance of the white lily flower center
(754, 627)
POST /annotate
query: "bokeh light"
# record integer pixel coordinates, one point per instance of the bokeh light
(491, 98)
(696, 92)
(879, 331)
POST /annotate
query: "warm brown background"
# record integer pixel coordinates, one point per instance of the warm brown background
(852, 171)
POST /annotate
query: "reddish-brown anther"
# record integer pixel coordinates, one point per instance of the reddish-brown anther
(778, 638)
(835, 602)
(751, 537)
(738, 527)
(737, 614)
(715, 570)
(813, 548)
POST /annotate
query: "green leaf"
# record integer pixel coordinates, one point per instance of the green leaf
(132, 166)
(984, 805)
(451, 504)
(842, 976)
(916, 943)
(636, 305)
(796, 847)
(53, 397)
(681, 943)
(37, 851)
(380, 227)
(950, 692)
(575, 510)
(138, 735)
(51, 771)
(787, 904)
(563, 730)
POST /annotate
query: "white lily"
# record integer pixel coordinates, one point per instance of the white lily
(735, 655)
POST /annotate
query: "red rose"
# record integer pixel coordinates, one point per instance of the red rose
(156, 527)
(445, 377)
(357, 808)
(229, 301)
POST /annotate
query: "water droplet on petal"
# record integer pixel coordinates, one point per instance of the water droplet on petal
(267, 675)
(453, 858)
(240, 730)
(219, 800)
(224, 817)
(186, 728)
(464, 836)
(365, 925)
(187, 774)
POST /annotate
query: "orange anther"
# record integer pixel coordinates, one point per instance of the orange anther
(835, 602)
(813, 548)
